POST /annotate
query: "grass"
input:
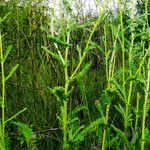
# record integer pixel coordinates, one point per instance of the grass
(82, 80)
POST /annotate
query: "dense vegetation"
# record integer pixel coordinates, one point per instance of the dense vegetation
(74, 81)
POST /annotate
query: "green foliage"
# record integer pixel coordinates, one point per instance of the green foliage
(26, 135)
(96, 68)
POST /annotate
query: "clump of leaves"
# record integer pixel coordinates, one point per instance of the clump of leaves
(26, 135)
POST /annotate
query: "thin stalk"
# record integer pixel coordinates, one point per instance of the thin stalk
(107, 80)
(113, 56)
(65, 145)
(137, 111)
(65, 116)
(3, 98)
(123, 63)
(106, 53)
(18, 51)
(145, 107)
(104, 132)
(130, 84)
(109, 74)
(122, 46)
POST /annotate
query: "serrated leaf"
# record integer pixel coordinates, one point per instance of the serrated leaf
(78, 130)
(89, 129)
(83, 71)
(11, 73)
(25, 130)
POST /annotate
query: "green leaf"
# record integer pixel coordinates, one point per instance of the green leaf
(25, 130)
(89, 129)
(11, 73)
(73, 120)
(54, 55)
(77, 131)
(58, 41)
(2, 19)
(7, 53)
(83, 71)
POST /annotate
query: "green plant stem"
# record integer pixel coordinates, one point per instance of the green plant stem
(65, 116)
(145, 107)
(137, 111)
(65, 125)
(130, 84)
(122, 47)
(123, 62)
(3, 98)
(106, 53)
(104, 132)
(107, 80)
